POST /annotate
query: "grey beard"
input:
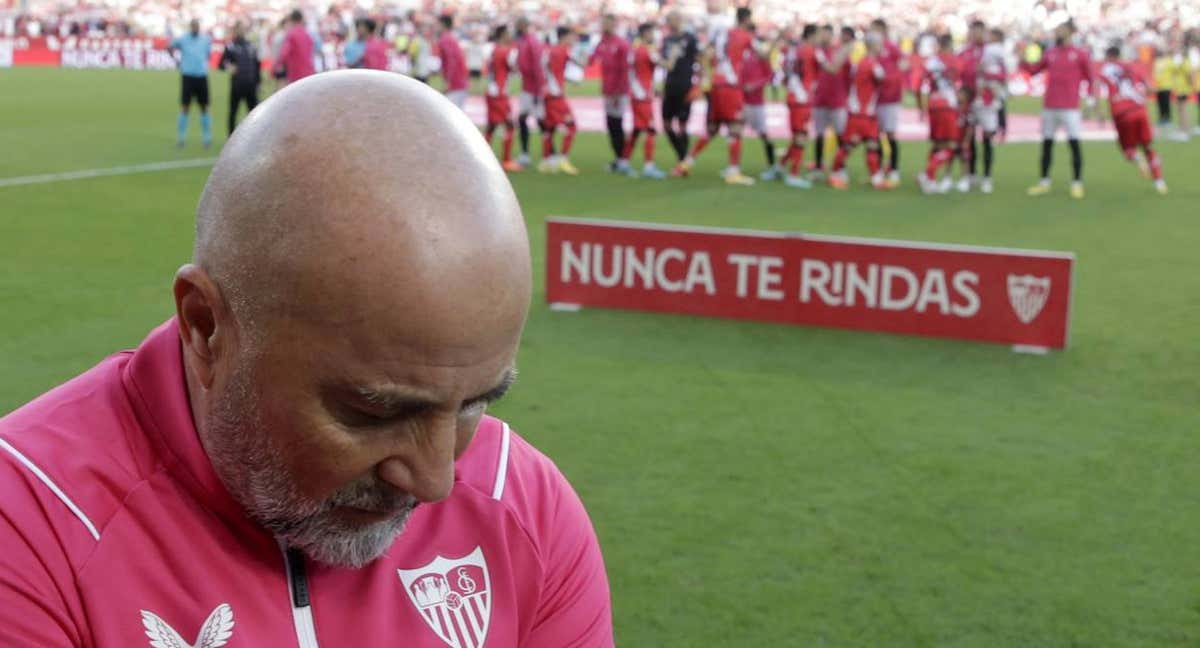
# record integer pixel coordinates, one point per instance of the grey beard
(246, 460)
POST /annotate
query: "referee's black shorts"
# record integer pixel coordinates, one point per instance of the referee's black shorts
(675, 105)
(193, 88)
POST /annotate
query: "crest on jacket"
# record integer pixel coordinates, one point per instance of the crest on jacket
(215, 632)
(454, 597)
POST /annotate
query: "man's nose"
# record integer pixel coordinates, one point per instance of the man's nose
(424, 465)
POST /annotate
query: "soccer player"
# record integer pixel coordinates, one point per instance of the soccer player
(939, 97)
(240, 58)
(644, 61)
(612, 52)
(725, 104)
(830, 92)
(557, 109)
(991, 82)
(1067, 67)
(891, 91)
(968, 72)
(296, 52)
(862, 125)
(499, 108)
(454, 64)
(308, 434)
(194, 49)
(756, 76)
(530, 51)
(680, 54)
(801, 72)
(1127, 106)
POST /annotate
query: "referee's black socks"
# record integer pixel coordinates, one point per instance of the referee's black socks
(1047, 156)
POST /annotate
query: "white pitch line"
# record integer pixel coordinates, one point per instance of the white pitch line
(128, 169)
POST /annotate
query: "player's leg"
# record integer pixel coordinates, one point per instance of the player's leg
(185, 99)
(614, 117)
(548, 126)
(712, 126)
(988, 141)
(235, 100)
(733, 173)
(630, 144)
(874, 147)
(506, 147)
(966, 154)
(205, 118)
(669, 110)
(822, 118)
(526, 105)
(846, 143)
(649, 168)
(1050, 122)
(1074, 126)
(1163, 97)
(564, 159)
(1181, 116)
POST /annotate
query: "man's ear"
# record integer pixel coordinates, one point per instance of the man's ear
(204, 321)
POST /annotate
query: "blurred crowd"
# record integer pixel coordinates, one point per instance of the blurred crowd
(1101, 19)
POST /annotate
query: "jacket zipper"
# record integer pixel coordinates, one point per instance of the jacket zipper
(293, 562)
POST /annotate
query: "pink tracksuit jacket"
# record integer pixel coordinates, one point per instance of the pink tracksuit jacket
(116, 532)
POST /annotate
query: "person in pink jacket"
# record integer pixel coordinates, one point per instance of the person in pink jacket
(296, 53)
(301, 456)
(454, 63)
(1068, 69)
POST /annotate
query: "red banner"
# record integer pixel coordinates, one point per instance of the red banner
(1018, 297)
(80, 52)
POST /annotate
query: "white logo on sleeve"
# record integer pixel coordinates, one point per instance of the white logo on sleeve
(215, 632)
(1028, 294)
(454, 597)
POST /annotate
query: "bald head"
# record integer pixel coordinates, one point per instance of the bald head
(359, 285)
(357, 189)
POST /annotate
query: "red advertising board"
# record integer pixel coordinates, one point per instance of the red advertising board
(1019, 297)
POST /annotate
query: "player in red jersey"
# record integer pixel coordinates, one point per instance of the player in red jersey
(1068, 69)
(499, 108)
(757, 74)
(831, 90)
(969, 60)
(725, 102)
(642, 63)
(557, 112)
(1127, 106)
(862, 126)
(801, 69)
(895, 65)
(939, 96)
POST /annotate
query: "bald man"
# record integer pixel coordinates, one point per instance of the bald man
(301, 455)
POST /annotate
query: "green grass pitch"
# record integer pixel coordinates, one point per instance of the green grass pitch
(752, 484)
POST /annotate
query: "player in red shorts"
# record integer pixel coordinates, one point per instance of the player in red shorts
(643, 61)
(499, 108)
(725, 100)
(1127, 105)
(557, 114)
(862, 126)
(801, 69)
(940, 83)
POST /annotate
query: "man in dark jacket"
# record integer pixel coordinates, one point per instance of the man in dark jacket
(241, 59)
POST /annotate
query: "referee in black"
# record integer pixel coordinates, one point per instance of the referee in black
(679, 51)
(245, 73)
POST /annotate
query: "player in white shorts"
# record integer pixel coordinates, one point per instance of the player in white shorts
(991, 88)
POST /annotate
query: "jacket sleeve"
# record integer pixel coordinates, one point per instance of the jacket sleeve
(33, 612)
(575, 609)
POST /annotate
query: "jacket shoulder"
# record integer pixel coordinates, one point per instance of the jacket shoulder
(67, 458)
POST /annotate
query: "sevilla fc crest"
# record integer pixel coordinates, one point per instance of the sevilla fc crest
(1028, 294)
(454, 597)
